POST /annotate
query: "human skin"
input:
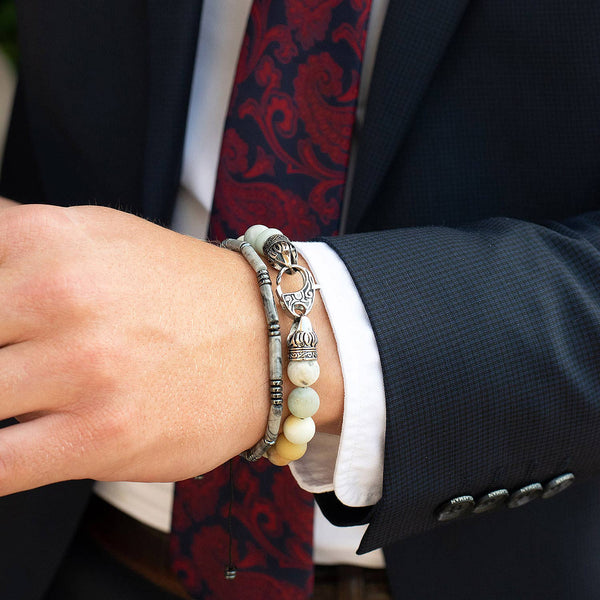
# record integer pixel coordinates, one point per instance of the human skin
(129, 352)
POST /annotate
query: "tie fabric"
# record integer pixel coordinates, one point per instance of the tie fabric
(283, 163)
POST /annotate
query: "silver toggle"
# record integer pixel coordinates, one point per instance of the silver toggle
(280, 252)
(301, 302)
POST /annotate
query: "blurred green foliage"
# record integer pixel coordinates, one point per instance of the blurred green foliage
(8, 29)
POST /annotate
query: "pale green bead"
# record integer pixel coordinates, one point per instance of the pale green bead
(252, 233)
(303, 372)
(262, 237)
(299, 431)
(303, 402)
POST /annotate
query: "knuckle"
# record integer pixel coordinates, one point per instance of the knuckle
(30, 222)
(57, 289)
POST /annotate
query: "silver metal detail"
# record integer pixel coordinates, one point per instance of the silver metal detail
(302, 340)
(263, 278)
(300, 355)
(300, 302)
(280, 252)
(275, 358)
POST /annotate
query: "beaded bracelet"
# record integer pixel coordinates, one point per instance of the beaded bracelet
(275, 353)
(303, 368)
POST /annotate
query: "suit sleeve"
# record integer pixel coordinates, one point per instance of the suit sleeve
(489, 338)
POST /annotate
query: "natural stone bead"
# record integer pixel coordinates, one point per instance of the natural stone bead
(262, 237)
(303, 402)
(303, 372)
(252, 233)
(288, 450)
(276, 459)
(299, 431)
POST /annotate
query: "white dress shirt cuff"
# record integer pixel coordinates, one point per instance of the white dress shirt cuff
(350, 465)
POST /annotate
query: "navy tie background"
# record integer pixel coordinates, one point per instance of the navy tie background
(283, 163)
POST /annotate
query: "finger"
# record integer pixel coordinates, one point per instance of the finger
(6, 203)
(19, 319)
(38, 453)
(29, 227)
(31, 380)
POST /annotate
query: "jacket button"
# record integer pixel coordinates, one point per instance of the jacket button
(491, 501)
(558, 484)
(525, 494)
(455, 508)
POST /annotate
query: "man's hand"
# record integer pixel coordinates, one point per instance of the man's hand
(6, 203)
(129, 352)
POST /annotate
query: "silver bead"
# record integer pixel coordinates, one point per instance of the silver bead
(280, 252)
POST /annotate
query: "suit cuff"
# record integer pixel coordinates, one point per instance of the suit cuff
(351, 465)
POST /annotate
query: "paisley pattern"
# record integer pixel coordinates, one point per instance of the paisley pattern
(283, 161)
(272, 526)
(287, 137)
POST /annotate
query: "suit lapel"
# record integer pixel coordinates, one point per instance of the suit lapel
(172, 38)
(413, 40)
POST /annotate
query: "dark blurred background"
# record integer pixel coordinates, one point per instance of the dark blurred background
(8, 30)
(8, 61)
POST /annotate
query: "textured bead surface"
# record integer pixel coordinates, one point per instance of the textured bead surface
(276, 459)
(303, 402)
(303, 373)
(262, 237)
(253, 232)
(288, 450)
(299, 431)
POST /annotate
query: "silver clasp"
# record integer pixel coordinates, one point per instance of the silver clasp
(298, 303)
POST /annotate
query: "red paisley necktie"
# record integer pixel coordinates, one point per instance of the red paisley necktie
(283, 163)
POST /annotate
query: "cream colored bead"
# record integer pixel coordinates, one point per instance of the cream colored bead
(276, 459)
(303, 372)
(288, 450)
(303, 402)
(299, 431)
(252, 233)
(262, 237)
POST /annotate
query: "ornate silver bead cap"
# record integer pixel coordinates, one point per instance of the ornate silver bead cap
(302, 341)
(280, 252)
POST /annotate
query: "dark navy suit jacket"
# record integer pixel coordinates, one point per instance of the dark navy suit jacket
(474, 241)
